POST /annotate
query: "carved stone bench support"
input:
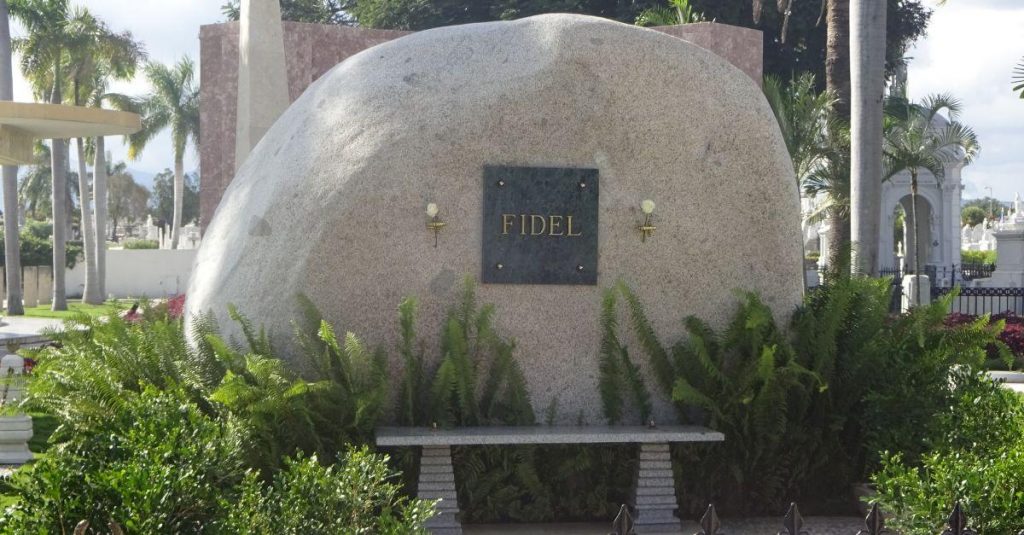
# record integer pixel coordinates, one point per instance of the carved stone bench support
(437, 482)
(655, 491)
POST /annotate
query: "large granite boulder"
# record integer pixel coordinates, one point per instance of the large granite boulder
(330, 204)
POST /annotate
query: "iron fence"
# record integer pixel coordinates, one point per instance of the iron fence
(793, 523)
(977, 301)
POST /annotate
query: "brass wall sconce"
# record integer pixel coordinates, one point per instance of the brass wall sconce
(647, 229)
(435, 224)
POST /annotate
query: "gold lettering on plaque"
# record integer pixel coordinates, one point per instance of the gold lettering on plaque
(540, 225)
(555, 222)
(569, 228)
(533, 225)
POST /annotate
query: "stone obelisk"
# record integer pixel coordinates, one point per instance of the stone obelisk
(262, 74)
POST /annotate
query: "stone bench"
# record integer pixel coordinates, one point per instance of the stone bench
(655, 486)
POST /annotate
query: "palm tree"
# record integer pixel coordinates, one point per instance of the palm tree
(12, 254)
(174, 104)
(916, 140)
(35, 187)
(1018, 78)
(98, 55)
(831, 177)
(867, 81)
(44, 56)
(808, 123)
(676, 12)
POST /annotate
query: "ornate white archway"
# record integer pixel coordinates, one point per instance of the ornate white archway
(939, 210)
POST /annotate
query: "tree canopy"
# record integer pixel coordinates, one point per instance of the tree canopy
(802, 49)
(162, 200)
(316, 11)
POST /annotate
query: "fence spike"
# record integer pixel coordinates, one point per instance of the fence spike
(709, 523)
(957, 523)
(623, 523)
(793, 523)
(874, 523)
(81, 527)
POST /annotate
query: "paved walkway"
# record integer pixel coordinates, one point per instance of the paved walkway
(25, 331)
(742, 526)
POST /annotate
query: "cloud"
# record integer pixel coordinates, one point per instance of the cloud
(970, 51)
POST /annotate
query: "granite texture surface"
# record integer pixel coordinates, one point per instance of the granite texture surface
(596, 434)
(330, 204)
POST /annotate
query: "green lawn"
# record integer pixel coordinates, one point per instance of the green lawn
(43, 311)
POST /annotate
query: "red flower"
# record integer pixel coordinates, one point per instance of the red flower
(176, 306)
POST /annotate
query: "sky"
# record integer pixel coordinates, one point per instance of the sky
(970, 51)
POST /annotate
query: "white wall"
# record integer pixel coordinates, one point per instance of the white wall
(139, 272)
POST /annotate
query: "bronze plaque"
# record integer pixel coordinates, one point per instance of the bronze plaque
(540, 225)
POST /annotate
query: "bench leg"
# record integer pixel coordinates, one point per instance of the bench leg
(437, 482)
(656, 492)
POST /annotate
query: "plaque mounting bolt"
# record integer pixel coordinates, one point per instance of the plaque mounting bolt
(501, 183)
(579, 267)
(435, 224)
(500, 267)
(646, 228)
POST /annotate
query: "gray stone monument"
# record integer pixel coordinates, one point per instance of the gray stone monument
(331, 204)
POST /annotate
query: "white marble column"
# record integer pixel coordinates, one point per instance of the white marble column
(262, 74)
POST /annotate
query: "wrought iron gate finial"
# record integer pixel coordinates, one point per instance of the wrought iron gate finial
(957, 523)
(793, 524)
(874, 523)
(623, 523)
(709, 523)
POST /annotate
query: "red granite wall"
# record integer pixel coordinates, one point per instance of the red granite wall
(313, 49)
(310, 51)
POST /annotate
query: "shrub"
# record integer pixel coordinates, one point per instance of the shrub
(100, 363)
(162, 467)
(978, 257)
(353, 496)
(35, 244)
(141, 244)
(477, 381)
(156, 433)
(977, 459)
(805, 409)
(1008, 351)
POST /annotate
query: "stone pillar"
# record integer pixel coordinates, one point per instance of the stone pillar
(30, 283)
(262, 74)
(910, 284)
(437, 482)
(656, 492)
(45, 284)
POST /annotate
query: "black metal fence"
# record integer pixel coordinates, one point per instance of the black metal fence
(793, 523)
(971, 300)
(978, 301)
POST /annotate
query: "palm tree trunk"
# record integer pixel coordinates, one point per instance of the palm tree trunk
(12, 253)
(58, 170)
(837, 56)
(839, 240)
(99, 185)
(91, 294)
(917, 235)
(179, 197)
(867, 69)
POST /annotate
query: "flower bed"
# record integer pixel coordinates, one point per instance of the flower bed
(1012, 336)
